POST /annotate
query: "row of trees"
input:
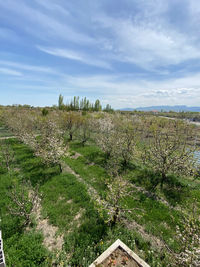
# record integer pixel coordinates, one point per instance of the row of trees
(81, 104)
(164, 146)
(48, 135)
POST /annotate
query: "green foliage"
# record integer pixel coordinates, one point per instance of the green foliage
(60, 102)
(83, 104)
(4, 132)
(45, 112)
(108, 108)
(166, 149)
(25, 250)
(67, 203)
(60, 199)
(82, 240)
(94, 175)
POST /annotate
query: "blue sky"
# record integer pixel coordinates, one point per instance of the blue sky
(127, 53)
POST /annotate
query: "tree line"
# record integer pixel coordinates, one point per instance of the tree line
(82, 104)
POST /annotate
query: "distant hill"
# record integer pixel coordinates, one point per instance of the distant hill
(177, 108)
(127, 109)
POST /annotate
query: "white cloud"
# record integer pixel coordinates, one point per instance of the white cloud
(73, 55)
(43, 26)
(148, 45)
(27, 67)
(123, 92)
(11, 72)
(53, 7)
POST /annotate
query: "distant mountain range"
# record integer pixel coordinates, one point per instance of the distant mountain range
(177, 108)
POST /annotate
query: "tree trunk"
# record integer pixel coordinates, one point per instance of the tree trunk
(83, 142)
(115, 217)
(70, 136)
(163, 179)
(60, 167)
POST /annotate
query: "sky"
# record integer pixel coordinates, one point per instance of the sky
(128, 53)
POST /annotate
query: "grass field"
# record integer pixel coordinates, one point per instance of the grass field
(68, 206)
(4, 132)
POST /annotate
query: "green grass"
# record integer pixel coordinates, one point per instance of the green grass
(94, 175)
(90, 151)
(156, 217)
(4, 132)
(22, 248)
(67, 205)
(63, 198)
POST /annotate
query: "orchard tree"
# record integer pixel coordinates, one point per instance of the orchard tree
(70, 123)
(23, 200)
(41, 133)
(127, 131)
(19, 121)
(49, 145)
(108, 137)
(167, 148)
(84, 131)
(117, 138)
(189, 239)
(7, 155)
(110, 208)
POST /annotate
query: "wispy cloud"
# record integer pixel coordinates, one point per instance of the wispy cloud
(138, 92)
(43, 26)
(27, 67)
(148, 45)
(134, 53)
(77, 56)
(53, 7)
(10, 72)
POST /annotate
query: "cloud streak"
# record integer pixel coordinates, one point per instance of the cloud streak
(77, 56)
(11, 72)
(135, 53)
(27, 67)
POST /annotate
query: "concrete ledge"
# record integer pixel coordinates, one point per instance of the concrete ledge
(119, 244)
(2, 259)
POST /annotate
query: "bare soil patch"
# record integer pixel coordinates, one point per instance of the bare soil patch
(76, 155)
(155, 241)
(51, 241)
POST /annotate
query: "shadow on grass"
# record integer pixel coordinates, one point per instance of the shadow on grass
(32, 167)
(83, 241)
(146, 178)
(174, 191)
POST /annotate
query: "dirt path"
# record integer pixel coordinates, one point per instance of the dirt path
(51, 241)
(7, 137)
(153, 196)
(92, 192)
(155, 241)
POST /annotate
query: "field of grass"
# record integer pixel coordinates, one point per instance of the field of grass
(4, 132)
(67, 205)
(157, 218)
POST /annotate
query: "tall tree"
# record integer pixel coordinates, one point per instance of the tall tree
(60, 102)
(97, 105)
